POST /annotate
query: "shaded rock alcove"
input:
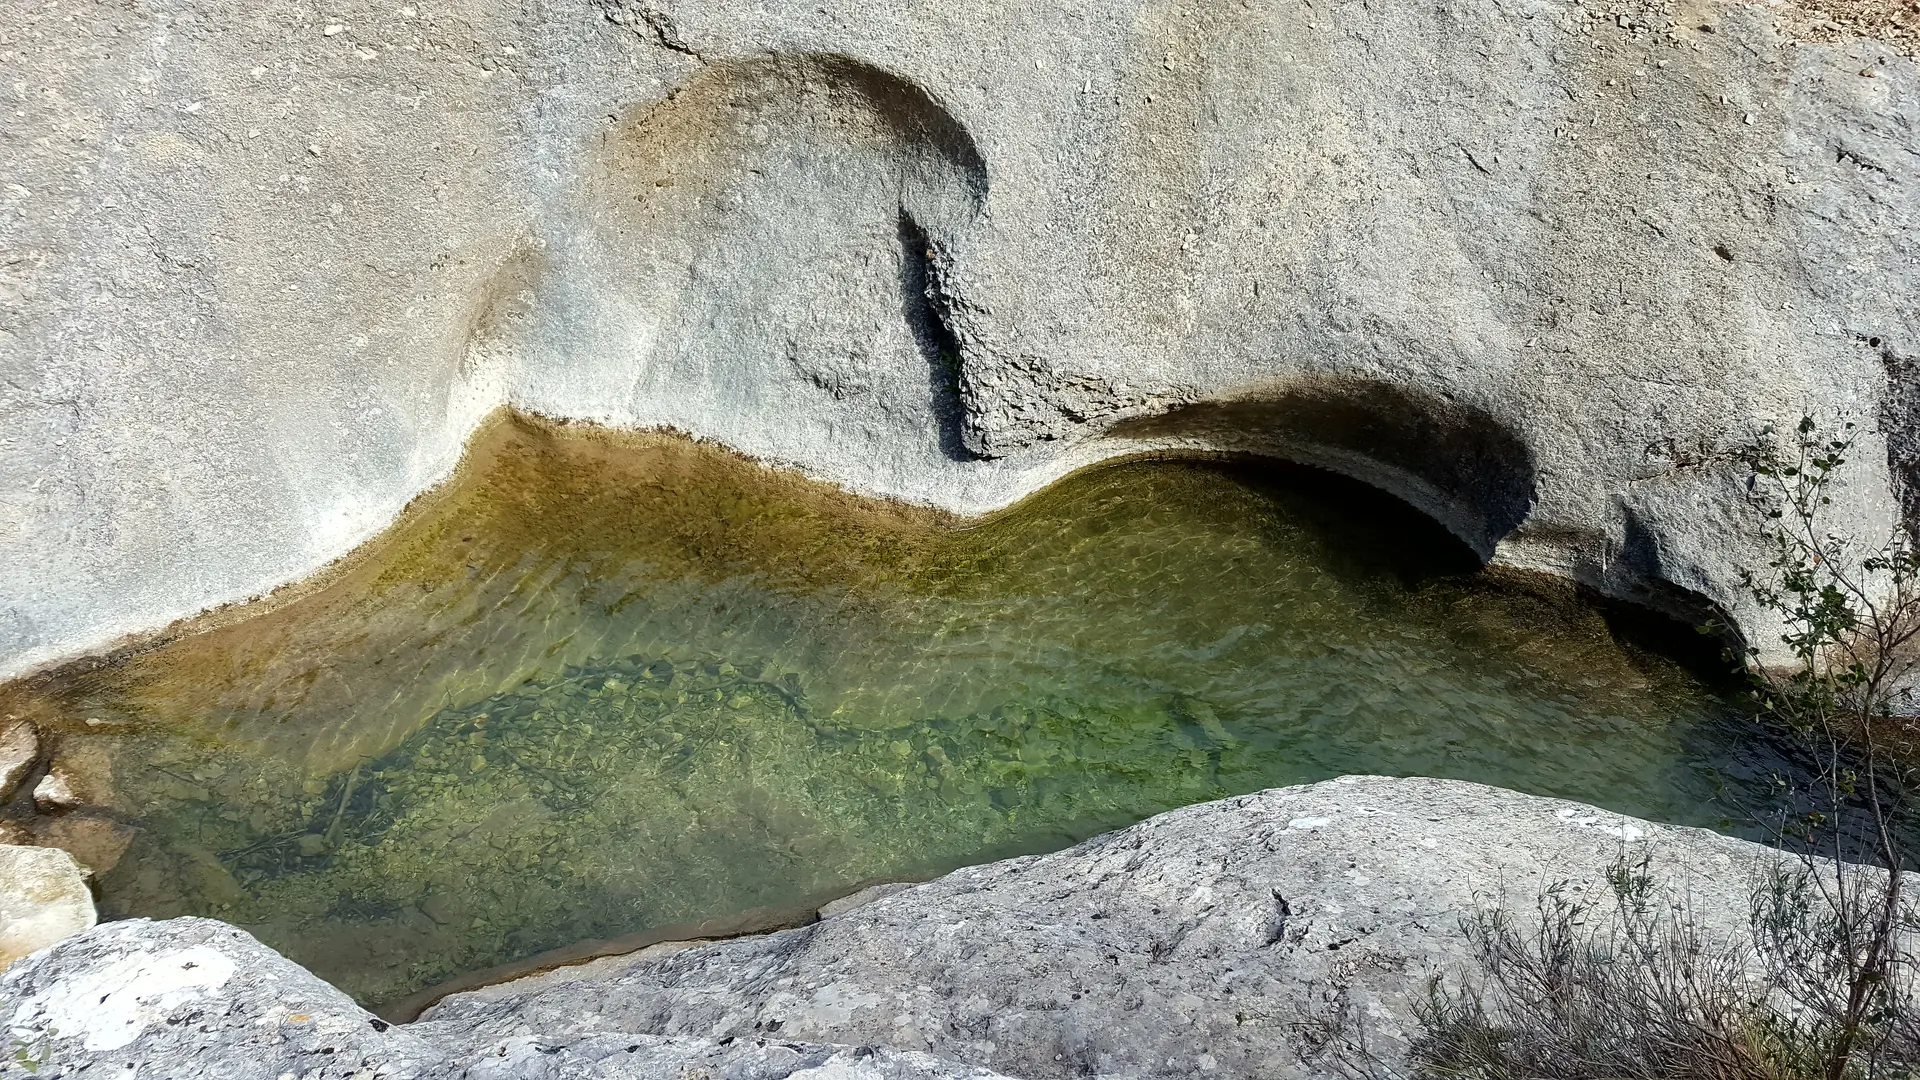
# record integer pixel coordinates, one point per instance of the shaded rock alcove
(1448, 458)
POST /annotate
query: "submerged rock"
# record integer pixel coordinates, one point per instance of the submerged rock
(1222, 939)
(43, 898)
(80, 775)
(95, 842)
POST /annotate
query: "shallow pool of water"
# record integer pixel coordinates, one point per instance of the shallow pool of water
(602, 683)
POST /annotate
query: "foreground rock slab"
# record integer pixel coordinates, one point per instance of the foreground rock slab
(199, 998)
(1219, 940)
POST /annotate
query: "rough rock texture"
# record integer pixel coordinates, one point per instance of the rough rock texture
(1538, 267)
(19, 753)
(646, 1057)
(43, 899)
(1896, 22)
(1217, 940)
(199, 998)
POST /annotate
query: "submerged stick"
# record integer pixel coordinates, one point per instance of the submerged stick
(346, 792)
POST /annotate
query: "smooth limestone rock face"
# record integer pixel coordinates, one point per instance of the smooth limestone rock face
(1218, 940)
(1539, 268)
(43, 899)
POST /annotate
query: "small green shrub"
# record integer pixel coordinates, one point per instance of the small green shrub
(1827, 983)
(1632, 986)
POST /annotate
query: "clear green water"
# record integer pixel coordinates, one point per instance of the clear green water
(599, 685)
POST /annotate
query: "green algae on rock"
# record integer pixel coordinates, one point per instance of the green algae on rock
(601, 683)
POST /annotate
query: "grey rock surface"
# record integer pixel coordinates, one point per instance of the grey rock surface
(646, 1057)
(1218, 940)
(189, 997)
(1537, 267)
(198, 998)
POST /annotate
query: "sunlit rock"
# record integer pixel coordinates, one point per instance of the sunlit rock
(1538, 270)
(43, 899)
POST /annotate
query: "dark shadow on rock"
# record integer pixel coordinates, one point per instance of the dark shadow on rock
(923, 307)
(1900, 421)
(1650, 585)
(1458, 450)
(935, 155)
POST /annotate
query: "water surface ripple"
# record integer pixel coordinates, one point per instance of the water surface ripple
(601, 683)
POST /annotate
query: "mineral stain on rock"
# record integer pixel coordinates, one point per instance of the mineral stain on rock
(601, 683)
